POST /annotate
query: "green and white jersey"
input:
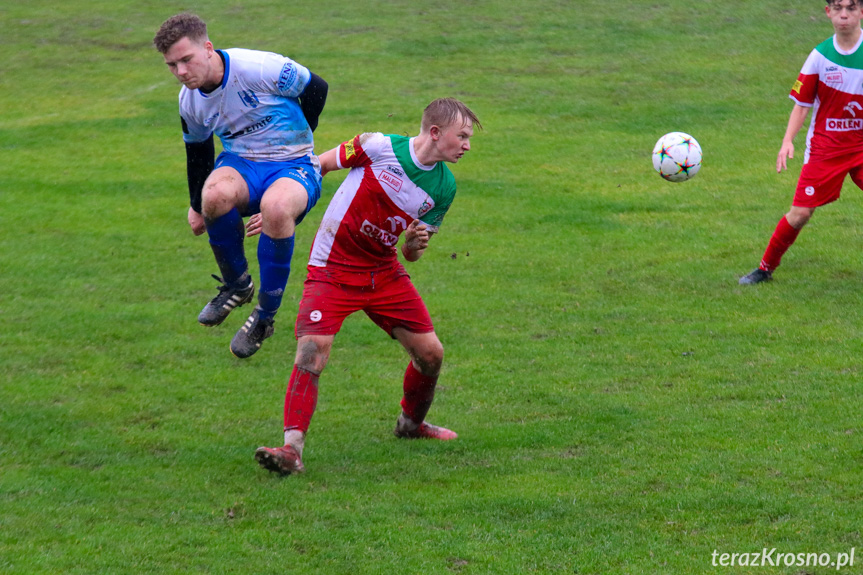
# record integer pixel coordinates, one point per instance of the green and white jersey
(831, 83)
(386, 189)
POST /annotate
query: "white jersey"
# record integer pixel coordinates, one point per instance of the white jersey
(255, 111)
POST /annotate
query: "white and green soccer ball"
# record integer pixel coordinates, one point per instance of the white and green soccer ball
(677, 157)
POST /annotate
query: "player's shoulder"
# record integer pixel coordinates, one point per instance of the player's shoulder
(397, 138)
(825, 45)
(365, 137)
(245, 60)
(372, 143)
(827, 54)
(250, 55)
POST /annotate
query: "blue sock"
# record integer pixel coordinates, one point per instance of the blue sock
(226, 238)
(274, 258)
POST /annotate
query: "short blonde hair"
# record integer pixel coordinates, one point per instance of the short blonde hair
(446, 111)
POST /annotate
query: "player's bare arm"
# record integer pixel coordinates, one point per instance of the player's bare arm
(329, 161)
(795, 122)
(417, 236)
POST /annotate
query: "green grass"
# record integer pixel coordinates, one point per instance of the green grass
(623, 405)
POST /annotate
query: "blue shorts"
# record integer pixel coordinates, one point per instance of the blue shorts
(260, 175)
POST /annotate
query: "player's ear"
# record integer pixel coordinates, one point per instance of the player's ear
(435, 132)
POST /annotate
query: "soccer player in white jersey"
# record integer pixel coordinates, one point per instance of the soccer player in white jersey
(396, 184)
(264, 108)
(831, 84)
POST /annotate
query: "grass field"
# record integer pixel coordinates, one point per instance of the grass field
(623, 406)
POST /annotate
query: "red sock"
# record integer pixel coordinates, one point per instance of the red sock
(781, 240)
(419, 393)
(301, 399)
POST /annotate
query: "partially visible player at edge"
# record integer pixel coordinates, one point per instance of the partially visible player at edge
(831, 83)
(264, 108)
(396, 184)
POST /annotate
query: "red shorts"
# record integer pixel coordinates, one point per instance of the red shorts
(392, 303)
(821, 180)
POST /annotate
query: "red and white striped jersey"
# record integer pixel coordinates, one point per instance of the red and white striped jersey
(831, 82)
(386, 189)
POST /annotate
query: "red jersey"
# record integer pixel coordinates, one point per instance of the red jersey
(385, 190)
(831, 82)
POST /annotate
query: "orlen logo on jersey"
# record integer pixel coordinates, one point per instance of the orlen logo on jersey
(378, 234)
(844, 124)
(392, 181)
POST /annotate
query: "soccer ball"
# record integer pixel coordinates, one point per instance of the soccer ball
(677, 157)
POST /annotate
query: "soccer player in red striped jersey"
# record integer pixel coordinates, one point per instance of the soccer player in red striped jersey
(396, 184)
(831, 84)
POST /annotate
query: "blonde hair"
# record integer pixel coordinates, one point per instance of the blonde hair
(446, 111)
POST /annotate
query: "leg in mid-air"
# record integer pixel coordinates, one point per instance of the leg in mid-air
(283, 206)
(225, 194)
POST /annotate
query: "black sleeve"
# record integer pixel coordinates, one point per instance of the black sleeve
(199, 163)
(312, 100)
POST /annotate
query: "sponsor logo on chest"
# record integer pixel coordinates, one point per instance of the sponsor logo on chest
(249, 129)
(390, 177)
(833, 75)
(249, 98)
(378, 234)
(394, 183)
(844, 124)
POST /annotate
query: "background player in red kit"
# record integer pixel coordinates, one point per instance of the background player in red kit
(831, 83)
(396, 184)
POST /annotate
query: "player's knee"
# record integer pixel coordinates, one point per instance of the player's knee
(215, 200)
(284, 204)
(311, 355)
(280, 209)
(798, 217)
(430, 359)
